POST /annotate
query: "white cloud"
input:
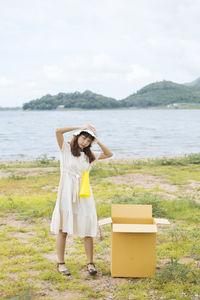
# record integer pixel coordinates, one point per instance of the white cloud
(138, 72)
(105, 63)
(112, 47)
(5, 82)
(84, 69)
(75, 63)
(30, 85)
(53, 72)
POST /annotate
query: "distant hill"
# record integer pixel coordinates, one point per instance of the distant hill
(194, 84)
(10, 108)
(87, 100)
(160, 93)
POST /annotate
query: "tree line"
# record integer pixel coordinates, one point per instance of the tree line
(155, 94)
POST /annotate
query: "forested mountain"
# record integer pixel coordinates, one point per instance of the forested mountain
(87, 100)
(162, 93)
(194, 84)
(155, 94)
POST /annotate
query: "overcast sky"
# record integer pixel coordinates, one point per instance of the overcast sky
(111, 47)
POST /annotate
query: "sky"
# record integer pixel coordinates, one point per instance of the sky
(111, 47)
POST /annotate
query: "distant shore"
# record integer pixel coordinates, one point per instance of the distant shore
(117, 108)
(108, 160)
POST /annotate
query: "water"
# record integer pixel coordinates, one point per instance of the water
(26, 135)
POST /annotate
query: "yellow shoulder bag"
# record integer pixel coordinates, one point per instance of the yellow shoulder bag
(85, 185)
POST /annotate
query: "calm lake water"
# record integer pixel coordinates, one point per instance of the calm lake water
(26, 135)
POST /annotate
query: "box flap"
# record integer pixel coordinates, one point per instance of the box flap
(161, 221)
(148, 228)
(131, 211)
(105, 221)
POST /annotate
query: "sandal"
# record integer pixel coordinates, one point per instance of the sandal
(64, 272)
(92, 271)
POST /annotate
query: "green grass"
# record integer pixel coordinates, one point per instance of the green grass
(27, 272)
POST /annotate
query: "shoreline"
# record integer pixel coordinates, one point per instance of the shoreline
(197, 107)
(114, 160)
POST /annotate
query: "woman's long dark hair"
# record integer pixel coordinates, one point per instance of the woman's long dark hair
(75, 149)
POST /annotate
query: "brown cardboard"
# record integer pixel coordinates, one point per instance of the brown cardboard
(161, 221)
(105, 221)
(133, 247)
(158, 221)
(134, 228)
(131, 211)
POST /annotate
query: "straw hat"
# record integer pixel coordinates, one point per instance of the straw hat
(88, 131)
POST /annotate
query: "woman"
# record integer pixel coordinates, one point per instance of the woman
(74, 215)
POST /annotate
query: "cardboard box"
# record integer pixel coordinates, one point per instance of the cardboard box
(133, 247)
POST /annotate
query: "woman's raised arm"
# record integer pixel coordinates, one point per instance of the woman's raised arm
(61, 130)
(106, 152)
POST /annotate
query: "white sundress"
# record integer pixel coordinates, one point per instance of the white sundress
(73, 214)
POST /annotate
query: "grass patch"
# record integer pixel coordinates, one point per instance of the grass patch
(31, 199)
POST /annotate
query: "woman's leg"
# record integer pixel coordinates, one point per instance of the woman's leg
(60, 247)
(88, 243)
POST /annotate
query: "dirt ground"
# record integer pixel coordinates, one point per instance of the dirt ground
(132, 179)
(5, 173)
(100, 282)
(143, 180)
